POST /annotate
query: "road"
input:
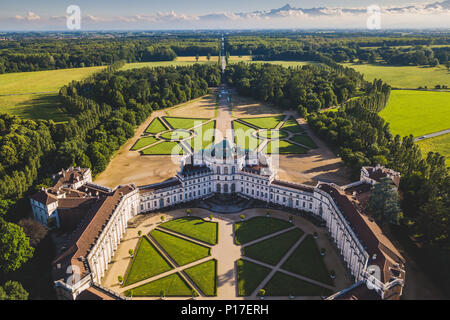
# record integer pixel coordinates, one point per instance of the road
(432, 135)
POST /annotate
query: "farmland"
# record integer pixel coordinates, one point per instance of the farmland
(417, 112)
(405, 76)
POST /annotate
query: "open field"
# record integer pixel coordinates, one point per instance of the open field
(42, 81)
(204, 276)
(194, 227)
(404, 76)
(180, 250)
(439, 144)
(249, 276)
(203, 107)
(34, 106)
(173, 286)
(307, 261)
(271, 250)
(417, 112)
(282, 284)
(146, 263)
(258, 227)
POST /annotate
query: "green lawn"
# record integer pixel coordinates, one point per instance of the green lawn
(156, 126)
(292, 126)
(307, 261)
(249, 276)
(282, 284)
(304, 140)
(264, 122)
(143, 142)
(204, 275)
(176, 135)
(258, 227)
(271, 251)
(283, 147)
(194, 227)
(243, 136)
(184, 123)
(406, 76)
(273, 134)
(164, 148)
(34, 106)
(146, 263)
(439, 144)
(42, 81)
(180, 250)
(417, 112)
(204, 136)
(173, 286)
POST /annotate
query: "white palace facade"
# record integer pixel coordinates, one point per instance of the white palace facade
(99, 216)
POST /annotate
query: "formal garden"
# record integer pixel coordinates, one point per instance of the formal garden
(277, 134)
(279, 259)
(174, 135)
(172, 248)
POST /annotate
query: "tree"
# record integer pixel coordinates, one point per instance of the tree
(13, 290)
(384, 203)
(34, 230)
(209, 56)
(197, 57)
(15, 247)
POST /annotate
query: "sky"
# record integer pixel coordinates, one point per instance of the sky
(212, 14)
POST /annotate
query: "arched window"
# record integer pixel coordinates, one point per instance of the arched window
(218, 170)
(218, 188)
(233, 169)
(225, 170)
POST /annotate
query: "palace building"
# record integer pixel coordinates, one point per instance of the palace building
(98, 217)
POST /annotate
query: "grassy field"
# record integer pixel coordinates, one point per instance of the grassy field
(283, 147)
(164, 148)
(180, 250)
(34, 106)
(194, 227)
(249, 276)
(184, 123)
(204, 136)
(264, 122)
(258, 227)
(156, 126)
(304, 140)
(417, 112)
(439, 144)
(282, 284)
(173, 286)
(42, 81)
(143, 142)
(271, 251)
(405, 77)
(205, 277)
(146, 263)
(243, 136)
(307, 261)
(292, 126)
